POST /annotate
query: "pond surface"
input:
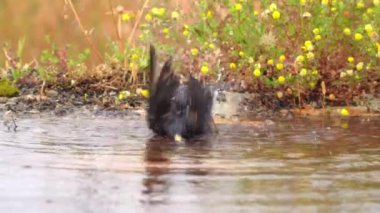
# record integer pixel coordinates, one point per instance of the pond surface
(99, 164)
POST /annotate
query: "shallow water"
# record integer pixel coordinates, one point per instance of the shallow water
(98, 164)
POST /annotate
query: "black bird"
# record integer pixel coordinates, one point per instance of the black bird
(178, 110)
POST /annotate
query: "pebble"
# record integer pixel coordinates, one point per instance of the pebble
(51, 93)
(13, 101)
(3, 100)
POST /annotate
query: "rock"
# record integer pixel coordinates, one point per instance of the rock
(32, 98)
(34, 111)
(228, 104)
(374, 105)
(78, 103)
(3, 100)
(51, 93)
(13, 101)
(284, 112)
(269, 123)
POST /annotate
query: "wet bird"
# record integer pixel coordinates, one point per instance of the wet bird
(178, 110)
(9, 118)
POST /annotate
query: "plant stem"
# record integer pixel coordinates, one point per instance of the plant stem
(84, 31)
(117, 31)
(137, 22)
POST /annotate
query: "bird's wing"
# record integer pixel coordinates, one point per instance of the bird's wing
(162, 91)
(200, 107)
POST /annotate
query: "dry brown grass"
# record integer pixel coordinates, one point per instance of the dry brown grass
(34, 19)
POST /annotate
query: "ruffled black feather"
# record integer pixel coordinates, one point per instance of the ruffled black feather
(175, 108)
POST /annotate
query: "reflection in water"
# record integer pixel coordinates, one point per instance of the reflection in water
(157, 165)
(158, 155)
(85, 164)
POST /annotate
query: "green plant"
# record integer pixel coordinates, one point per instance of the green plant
(7, 89)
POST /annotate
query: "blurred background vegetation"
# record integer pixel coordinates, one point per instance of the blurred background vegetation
(37, 20)
(300, 51)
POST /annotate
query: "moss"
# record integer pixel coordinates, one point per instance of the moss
(7, 89)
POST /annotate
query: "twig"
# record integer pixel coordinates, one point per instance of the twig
(114, 21)
(42, 92)
(84, 31)
(9, 59)
(137, 22)
(132, 78)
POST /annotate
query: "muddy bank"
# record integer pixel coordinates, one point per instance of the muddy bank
(228, 106)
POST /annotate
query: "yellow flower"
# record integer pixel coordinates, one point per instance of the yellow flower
(255, 13)
(257, 72)
(358, 36)
(276, 14)
(333, 9)
(241, 54)
(238, 7)
(318, 37)
(185, 32)
(232, 66)
(158, 11)
(347, 31)
(135, 56)
(360, 5)
(280, 66)
(123, 95)
(250, 60)
(144, 92)
(316, 31)
(133, 66)
(369, 11)
(281, 79)
(376, 2)
(310, 55)
(282, 58)
(309, 46)
(359, 66)
(194, 51)
(175, 15)
(126, 17)
(314, 72)
(165, 30)
(368, 28)
(357, 77)
(161, 11)
(312, 84)
(210, 14)
(344, 112)
(306, 15)
(148, 17)
(204, 69)
(342, 74)
(351, 59)
(300, 59)
(303, 72)
(272, 7)
(270, 62)
(325, 2)
(302, 2)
